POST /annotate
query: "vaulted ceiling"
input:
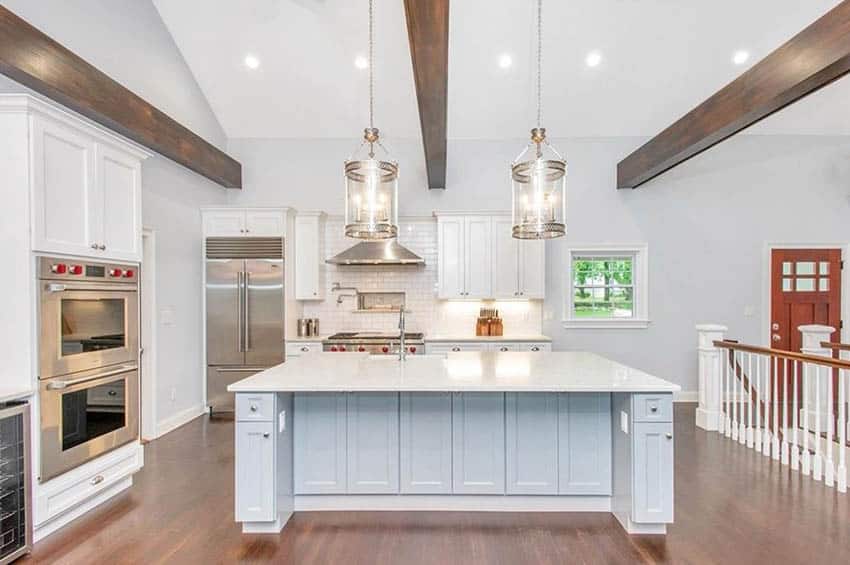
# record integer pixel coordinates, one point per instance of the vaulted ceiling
(659, 59)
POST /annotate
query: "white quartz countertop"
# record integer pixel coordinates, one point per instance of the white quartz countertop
(466, 338)
(307, 339)
(457, 372)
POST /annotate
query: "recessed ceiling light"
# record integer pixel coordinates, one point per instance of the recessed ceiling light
(593, 59)
(251, 62)
(740, 57)
(505, 61)
(361, 62)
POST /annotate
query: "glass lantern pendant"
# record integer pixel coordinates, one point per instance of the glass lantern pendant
(538, 195)
(371, 185)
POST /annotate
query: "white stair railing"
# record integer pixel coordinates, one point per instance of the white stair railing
(790, 406)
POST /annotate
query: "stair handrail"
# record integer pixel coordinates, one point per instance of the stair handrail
(781, 353)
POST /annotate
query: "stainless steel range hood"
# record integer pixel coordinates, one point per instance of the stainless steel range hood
(387, 252)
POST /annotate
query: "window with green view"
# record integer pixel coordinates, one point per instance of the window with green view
(603, 287)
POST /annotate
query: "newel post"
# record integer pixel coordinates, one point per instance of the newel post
(710, 366)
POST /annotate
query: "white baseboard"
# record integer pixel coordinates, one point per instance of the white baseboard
(183, 417)
(686, 396)
(449, 503)
(40, 532)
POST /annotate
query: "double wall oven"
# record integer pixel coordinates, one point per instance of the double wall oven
(88, 360)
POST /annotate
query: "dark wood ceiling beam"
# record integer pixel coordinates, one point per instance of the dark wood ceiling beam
(810, 60)
(35, 60)
(428, 30)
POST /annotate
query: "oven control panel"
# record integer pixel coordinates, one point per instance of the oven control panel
(63, 268)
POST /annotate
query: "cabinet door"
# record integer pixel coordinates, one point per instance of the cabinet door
(372, 443)
(477, 236)
(584, 450)
(532, 269)
(450, 262)
(505, 269)
(652, 467)
(65, 210)
(320, 443)
(426, 443)
(224, 223)
(478, 443)
(255, 472)
(119, 178)
(531, 440)
(264, 223)
(308, 259)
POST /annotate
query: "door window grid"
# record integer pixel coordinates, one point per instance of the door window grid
(802, 276)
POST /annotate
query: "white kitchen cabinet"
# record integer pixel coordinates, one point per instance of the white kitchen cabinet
(241, 222)
(299, 348)
(320, 443)
(264, 223)
(425, 430)
(255, 474)
(309, 256)
(224, 223)
(373, 443)
(441, 348)
(478, 258)
(86, 191)
(584, 422)
(478, 443)
(652, 468)
(531, 443)
(451, 267)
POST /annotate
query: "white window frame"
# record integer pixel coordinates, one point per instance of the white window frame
(640, 283)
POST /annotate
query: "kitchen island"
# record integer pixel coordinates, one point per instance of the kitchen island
(516, 431)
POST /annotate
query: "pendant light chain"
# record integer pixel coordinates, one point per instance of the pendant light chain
(371, 66)
(539, 63)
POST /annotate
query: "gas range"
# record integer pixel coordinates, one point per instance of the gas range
(375, 343)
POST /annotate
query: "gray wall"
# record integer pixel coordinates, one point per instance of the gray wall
(127, 40)
(706, 223)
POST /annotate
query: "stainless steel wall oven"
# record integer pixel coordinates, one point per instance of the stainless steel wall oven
(88, 360)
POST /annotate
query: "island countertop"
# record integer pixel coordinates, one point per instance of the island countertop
(458, 372)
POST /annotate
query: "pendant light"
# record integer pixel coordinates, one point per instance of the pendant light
(371, 185)
(539, 204)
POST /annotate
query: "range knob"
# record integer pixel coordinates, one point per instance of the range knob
(361, 349)
(385, 349)
(76, 270)
(129, 273)
(115, 272)
(342, 348)
(59, 268)
(334, 348)
(412, 349)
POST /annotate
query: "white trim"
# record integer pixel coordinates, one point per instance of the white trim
(451, 503)
(438, 213)
(47, 528)
(181, 418)
(640, 529)
(147, 287)
(686, 396)
(640, 284)
(765, 306)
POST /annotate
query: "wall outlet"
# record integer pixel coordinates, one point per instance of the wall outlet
(749, 311)
(173, 394)
(166, 316)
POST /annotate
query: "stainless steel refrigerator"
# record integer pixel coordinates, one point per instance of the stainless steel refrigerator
(245, 312)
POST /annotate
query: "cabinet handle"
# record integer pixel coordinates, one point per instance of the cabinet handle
(265, 434)
(112, 393)
(253, 408)
(94, 246)
(102, 247)
(669, 436)
(97, 480)
(535, 348)
(503, 349)
(654, 409)
(455, 348)
(305, 349)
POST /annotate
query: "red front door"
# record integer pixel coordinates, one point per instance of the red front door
(805, 289)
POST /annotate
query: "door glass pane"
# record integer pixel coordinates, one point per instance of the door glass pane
(823, 284)
(92, 412)
(824, 267)
(92, 325)
(805, 268)
(805, 285)
(787, 268)
(786, 285)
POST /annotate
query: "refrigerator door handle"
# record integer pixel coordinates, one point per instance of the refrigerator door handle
(239, 329)
(246, 311)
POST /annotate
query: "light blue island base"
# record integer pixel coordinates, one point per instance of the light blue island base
(448, 451)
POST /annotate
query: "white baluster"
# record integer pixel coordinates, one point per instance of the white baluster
(768, 398)
(829, 465)
(817, 460)
(742, 429)
(795, 414)
(732, 359)
(807, 457)
(842, 430)
(774, 444)
(757, 394)
(750, 436)
(785, 375)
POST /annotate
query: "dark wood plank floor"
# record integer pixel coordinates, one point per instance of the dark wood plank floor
(732, 506)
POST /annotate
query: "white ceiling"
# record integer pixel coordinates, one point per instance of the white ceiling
(660, 59)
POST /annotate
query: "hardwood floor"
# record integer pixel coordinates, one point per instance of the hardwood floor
(732, 506)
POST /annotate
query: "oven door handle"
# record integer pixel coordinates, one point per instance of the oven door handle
(61, 385)
(83, 286)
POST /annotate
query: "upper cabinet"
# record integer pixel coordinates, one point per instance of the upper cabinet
(86, 190)
(479, 259)
(241, 222)
(309, 256)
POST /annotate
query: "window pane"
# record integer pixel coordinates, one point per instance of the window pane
(824, 267)
(786, 285)
(805, 285)
(602, 271)
(824, 285)
(805, 268)
(603, 302)
(786, 268)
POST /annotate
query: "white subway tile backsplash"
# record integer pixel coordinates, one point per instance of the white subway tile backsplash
(427, 313)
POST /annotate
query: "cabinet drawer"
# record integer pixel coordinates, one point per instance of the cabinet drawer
(298, 348)
(536, 347)
(255, 407)
(652, 407)
(444, 348)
